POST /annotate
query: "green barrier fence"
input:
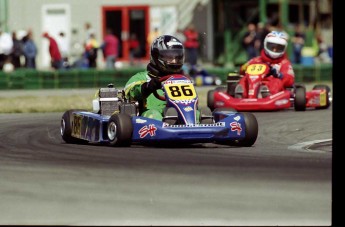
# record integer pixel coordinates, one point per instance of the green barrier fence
(92, 78)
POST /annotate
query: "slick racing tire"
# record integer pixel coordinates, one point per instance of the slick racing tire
(66, 128)
(210, 99)
(251, 131)
(328, 95)
(300, 100)
(119, 130)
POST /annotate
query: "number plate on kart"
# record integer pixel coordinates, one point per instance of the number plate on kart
(183, 91)
(256, 69)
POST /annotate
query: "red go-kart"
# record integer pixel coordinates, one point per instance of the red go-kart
(259, 97)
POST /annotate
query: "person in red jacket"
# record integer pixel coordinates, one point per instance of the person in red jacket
(110, 48)
(191, 45)
(56, 59)
(274, 54)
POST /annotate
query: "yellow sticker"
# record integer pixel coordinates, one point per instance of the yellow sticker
(256, 69)
(323, 100)
(183, 91)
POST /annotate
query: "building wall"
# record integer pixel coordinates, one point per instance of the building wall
(24, 15)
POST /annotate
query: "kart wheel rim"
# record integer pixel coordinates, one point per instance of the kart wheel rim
(112, 131)
(63, 127)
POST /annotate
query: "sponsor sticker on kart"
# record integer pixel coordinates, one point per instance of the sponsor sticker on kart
(148, 130)
(235, 126)
(76, 125)
(323, 98)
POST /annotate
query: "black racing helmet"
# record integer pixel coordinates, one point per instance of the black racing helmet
(167, 54)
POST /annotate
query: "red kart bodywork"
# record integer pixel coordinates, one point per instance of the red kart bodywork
(319, 97)
(316, 98)
(277, 101)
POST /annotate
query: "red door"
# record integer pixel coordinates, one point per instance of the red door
(124, 21)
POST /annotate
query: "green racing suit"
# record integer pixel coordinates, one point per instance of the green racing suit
(150, 106)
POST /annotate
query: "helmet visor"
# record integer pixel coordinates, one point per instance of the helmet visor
(275, 47)
(172, 56)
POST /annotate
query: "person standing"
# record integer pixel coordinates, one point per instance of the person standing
(29, 51)
(248, 41)
(63, 47)
(17, 51)
(56, 59)
(110, 49)
(191, 45)
(261, 32)
(91, 50)
(297, 43)
(6, 45)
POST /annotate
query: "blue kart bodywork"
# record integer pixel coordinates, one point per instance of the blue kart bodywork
(180, 124)
(92, 127)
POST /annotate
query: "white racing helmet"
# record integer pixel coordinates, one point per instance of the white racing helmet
(275, 44)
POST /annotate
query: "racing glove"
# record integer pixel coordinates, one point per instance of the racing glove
(275, 73)
(148, 87)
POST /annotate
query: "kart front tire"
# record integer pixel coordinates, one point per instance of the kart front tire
(66, 128)
(210, 99)
(119, 130)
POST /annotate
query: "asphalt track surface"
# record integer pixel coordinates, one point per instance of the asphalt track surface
(284, 179)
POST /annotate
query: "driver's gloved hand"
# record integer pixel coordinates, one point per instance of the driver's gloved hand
(274, 72)
(148, 87)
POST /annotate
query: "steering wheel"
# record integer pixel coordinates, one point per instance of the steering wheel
(155, 93)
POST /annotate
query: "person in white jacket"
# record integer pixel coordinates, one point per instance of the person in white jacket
(6, 44)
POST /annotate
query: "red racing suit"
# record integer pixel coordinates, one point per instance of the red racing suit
(283, 67)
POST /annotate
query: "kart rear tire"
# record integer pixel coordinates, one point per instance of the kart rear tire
(66, 128)
(120, 130)
(300, 100)
(328, 94)
(210, 99)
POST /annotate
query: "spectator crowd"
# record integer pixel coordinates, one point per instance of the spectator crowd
(19, 50)
(252, 42)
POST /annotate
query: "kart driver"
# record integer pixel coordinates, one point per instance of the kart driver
(274, 54)
(167, 57)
